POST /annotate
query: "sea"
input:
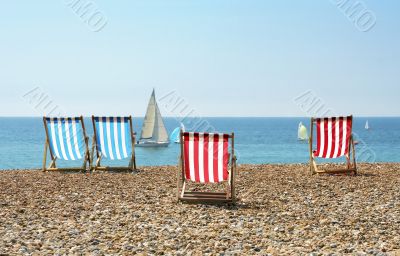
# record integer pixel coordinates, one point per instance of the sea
(263, 140)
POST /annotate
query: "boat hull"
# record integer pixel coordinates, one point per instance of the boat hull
(150, 144)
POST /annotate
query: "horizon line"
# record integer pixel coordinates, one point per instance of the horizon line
(177, 117)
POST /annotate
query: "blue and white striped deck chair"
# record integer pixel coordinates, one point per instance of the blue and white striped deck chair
(113, 139)
(66, 139)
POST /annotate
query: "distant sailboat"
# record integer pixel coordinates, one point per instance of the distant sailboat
(153, 133)
(367, 125)
(174, 137)
(302, 132)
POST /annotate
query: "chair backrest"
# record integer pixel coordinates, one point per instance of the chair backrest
(333, 136)
(206, 157)
(113, 136)
(66, 137)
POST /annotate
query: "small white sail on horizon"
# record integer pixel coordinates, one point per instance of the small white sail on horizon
(154, 133)
(302, 132)
(366, 125)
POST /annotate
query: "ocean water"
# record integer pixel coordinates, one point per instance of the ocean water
(257, 140)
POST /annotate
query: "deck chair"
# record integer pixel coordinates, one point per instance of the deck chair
(66, 140)
(205, 159)
(334, 140)
(113, 139)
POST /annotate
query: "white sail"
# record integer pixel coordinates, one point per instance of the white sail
(159, 130)
(149, 119)
(302, 132)
(366, 126)
(153, 130)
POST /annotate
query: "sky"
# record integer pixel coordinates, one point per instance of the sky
(220, 58)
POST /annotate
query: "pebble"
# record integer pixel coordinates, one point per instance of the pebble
(283, 210)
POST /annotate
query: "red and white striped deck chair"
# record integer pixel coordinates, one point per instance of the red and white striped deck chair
(205, 159)
(334, 140)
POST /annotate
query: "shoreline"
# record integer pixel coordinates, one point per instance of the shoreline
(283, 210)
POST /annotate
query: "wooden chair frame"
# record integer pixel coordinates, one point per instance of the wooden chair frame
(207, 197)
(132, 163)
(53, 166)
(351, 164)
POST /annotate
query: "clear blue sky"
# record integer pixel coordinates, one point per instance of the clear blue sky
(225, 57)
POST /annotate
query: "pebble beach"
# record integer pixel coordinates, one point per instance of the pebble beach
(283, 210)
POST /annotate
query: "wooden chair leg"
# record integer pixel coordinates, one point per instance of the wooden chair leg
(183, 189)
(98, 162)
(228, 189)
(178, 185)
(314, 166)
(311, 167)
(234, 169)
(90, 162)
(92, 154)
(85, 161)
(87, 154)
(45, 156)
(228, 183)
(348, 161)
(53, 163)
(354, 156)
(131, 163)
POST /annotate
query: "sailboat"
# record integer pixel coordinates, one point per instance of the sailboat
(302, 132)
(174, 137)
(154, 133)
(367, 125)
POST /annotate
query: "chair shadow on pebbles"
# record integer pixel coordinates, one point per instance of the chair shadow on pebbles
(228, 206)
(116, 171)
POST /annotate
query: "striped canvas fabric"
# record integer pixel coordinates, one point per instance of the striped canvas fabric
(206, 157)
(113, 135)
(66, 137)
(333, 137)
